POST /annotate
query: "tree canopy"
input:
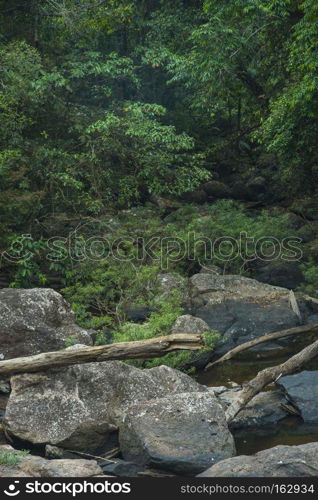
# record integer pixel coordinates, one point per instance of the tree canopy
(108, 102)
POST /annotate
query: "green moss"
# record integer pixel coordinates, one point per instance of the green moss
(12, 457)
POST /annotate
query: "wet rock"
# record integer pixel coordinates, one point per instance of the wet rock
(35, 321)
(138, 314)
(265, 409)
(122, 468)
(79, 407)
(53, 451)
(312, 319)
(34, 466)
(240, 309)
(302, 391)
(281, 461)
(181, 433)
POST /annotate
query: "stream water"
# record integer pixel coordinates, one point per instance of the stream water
(289, 431)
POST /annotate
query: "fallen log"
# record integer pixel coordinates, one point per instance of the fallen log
(311, 300)
(143, 349)
(311, 327)
(269, 375)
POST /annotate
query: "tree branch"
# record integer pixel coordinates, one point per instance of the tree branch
(268, 376)
(143, 349)
(311, 327)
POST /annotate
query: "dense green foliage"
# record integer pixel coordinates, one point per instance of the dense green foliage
(104, 103)
(103, 281)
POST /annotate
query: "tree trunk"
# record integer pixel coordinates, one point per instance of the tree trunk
(268, 376)
(143, 349)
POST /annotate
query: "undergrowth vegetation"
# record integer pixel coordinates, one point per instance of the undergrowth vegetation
(113, 265)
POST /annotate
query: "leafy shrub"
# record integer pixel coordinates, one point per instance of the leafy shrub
(70, 341)
(310, 270)
(182, 360)
(100, 338)
(101, 296)
(158, 324)
(102, 290)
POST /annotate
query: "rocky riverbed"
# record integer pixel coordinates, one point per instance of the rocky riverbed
(115, 419)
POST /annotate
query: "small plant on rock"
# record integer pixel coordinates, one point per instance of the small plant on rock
(12, 457)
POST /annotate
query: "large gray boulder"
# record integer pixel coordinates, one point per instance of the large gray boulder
(302, 391)
(240, 308)
(79, 407)
(184, 433)
(36, 320)
(281, 461)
